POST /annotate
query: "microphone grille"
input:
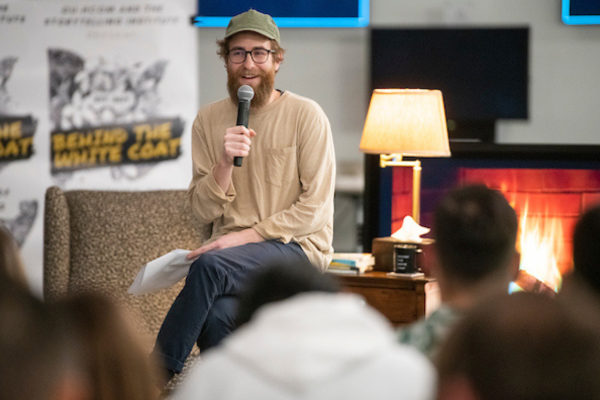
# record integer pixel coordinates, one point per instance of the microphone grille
(245, 93)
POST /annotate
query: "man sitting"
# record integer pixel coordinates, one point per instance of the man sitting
(474, 256)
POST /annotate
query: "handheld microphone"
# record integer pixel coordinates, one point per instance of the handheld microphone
(245, 94)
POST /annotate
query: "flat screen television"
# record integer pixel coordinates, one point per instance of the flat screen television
(581, 12)
(288, 13)
(482, 72)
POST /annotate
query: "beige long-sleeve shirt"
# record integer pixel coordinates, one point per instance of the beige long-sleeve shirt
(285, 188)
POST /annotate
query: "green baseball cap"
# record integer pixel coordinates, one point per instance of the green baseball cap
(254, 21)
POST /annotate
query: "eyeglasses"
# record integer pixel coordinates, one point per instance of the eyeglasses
(259, 56)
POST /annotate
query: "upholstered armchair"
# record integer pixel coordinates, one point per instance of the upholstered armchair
(98, 241)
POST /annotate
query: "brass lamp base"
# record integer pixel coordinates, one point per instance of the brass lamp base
(395, 160)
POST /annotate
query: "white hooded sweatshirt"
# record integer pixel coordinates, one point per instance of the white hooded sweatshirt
(312, 346)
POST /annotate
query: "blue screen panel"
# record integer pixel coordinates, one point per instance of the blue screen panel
(581, 12)
(288, 13)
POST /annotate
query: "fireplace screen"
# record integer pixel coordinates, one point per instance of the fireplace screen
(547, 201)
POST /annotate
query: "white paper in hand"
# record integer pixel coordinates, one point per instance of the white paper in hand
(161, 273)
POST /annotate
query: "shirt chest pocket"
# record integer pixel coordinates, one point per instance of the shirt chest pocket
(282, 166)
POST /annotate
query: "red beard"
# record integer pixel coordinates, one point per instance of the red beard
(262, 93)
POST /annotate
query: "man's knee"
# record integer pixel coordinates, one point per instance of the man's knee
(223, 311)
(220, 322)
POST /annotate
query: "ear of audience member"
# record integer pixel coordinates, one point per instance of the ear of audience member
(110, 350)
(522, 346)
(277, 282)
(36, 362)
(10, 259)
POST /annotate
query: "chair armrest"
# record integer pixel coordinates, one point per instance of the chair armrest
(57, 232)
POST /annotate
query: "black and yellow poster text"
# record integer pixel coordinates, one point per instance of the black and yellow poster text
(16, 138)
(150, 141)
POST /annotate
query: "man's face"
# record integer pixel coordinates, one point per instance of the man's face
(261, 77)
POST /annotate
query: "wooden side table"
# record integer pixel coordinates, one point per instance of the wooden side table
(401, 299)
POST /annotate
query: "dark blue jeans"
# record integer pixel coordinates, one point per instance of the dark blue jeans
(220, 322)
(213, 275)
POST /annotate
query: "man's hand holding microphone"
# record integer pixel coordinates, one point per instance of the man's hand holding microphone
(236, 142)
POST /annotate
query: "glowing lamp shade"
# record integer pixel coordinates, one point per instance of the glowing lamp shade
(409, 122)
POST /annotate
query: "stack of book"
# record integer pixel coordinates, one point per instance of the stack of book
(351, 263)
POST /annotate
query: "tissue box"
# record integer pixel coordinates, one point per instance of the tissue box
(392, 255)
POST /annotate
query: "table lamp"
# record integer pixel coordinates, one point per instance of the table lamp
(406, 122)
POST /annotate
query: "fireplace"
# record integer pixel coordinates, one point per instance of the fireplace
(548, 186)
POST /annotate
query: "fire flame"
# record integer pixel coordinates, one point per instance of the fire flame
(539, 244)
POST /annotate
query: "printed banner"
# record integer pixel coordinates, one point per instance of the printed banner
(93, 95)
(88, 101)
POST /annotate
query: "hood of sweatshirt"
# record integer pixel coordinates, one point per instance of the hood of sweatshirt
(310, 338)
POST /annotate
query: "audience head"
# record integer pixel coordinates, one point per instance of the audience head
(522, 346)
(475, 231)
(586, 249)
(35, 358)
(279, 281)
(82, 347)
(110, 351)
(10, 260)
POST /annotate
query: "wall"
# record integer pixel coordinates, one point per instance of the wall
(331, 66)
